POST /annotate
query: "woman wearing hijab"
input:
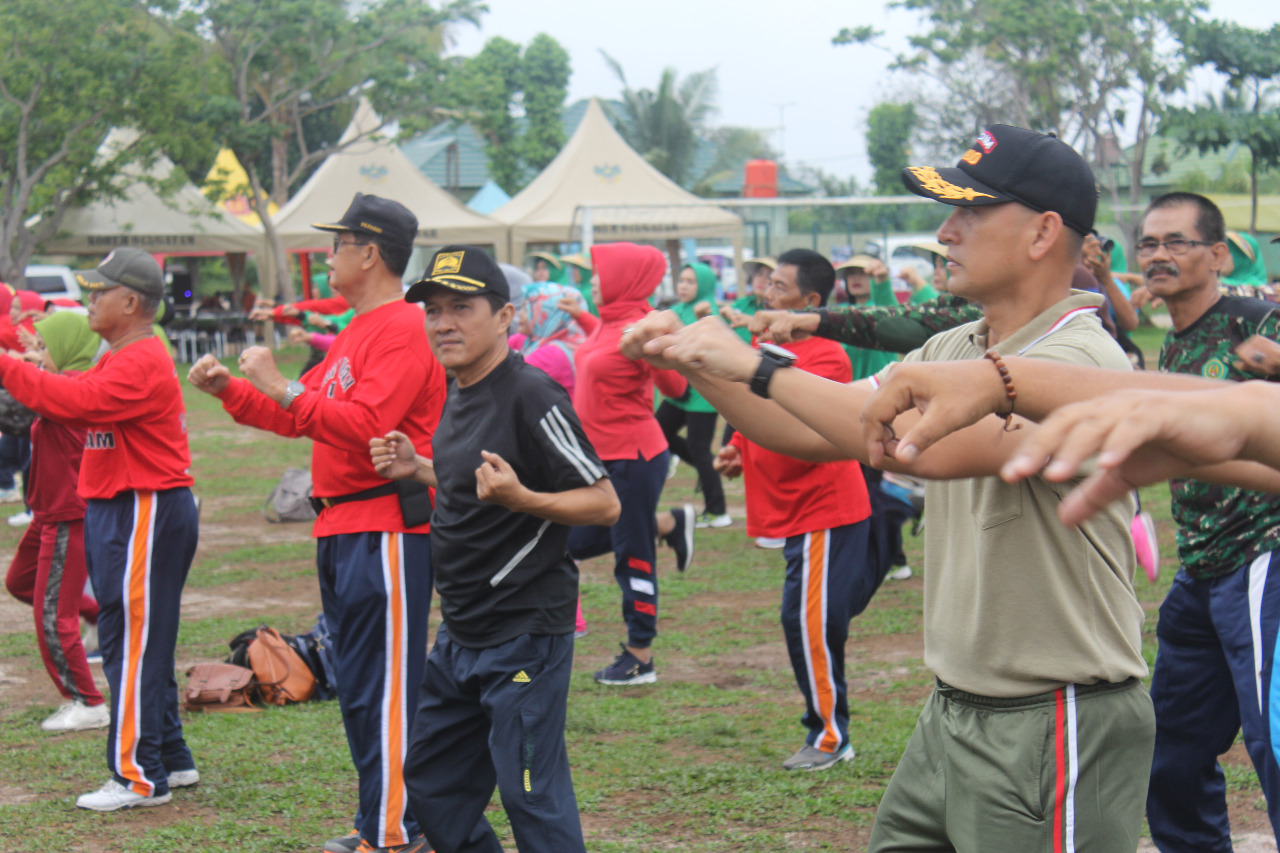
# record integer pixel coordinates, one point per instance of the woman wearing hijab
(614, 400)
(1248, 271)
(48, 570)
(549, 336)
(696, 294)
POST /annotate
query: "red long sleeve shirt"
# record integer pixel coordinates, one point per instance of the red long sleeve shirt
(130, 403)
(329, 305)
(790, 497)
(379, 375)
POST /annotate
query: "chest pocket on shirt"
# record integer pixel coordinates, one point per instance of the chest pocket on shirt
(994, 504)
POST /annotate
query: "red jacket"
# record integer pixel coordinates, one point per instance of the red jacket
(789, 497)
(379, 375)
(614, 394)
(56, 451)
(130, 403)
(332, 305)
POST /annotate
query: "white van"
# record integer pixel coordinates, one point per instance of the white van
(53, 282)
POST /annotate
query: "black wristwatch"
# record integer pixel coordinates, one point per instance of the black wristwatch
(772, 357)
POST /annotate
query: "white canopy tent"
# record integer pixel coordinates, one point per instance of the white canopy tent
(599, 178)
(375, 166)
(185, 223)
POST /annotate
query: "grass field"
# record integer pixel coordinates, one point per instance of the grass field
(688, 764)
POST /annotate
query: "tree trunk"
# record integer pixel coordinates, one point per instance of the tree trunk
(273, 272)
(1253, 192)
(673, 254)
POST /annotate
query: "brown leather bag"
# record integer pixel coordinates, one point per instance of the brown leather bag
(219, 687)
(283, 676)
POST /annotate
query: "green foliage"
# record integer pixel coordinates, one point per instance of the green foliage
(489, 83)
(733, 146)
(889, 130)
(69, 73)
(1248, 112)
(663, 124)
(491, 88)
(544, 81)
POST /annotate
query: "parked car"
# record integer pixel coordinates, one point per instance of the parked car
(53, 282)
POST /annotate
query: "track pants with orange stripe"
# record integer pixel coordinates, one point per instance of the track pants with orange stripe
(830, 579)
(376, 592)
(139, 547)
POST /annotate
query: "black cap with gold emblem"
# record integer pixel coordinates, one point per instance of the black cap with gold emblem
(1006, 164)
(466, 269)
(377, 217)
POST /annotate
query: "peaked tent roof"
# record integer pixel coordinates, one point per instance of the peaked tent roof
(597, 167)
(371, 164)
(185, 222)
(488, 198)
(230, 179)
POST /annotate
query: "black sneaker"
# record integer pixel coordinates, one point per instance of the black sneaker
(681, 536)
(627, 669)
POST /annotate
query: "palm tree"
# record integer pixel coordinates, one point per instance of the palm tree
(663, 124)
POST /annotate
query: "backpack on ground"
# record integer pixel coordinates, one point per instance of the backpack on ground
(283, 676)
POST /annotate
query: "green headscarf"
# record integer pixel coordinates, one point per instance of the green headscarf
(71, 343)
(695, 402)
(706, 292)
(1247, 270)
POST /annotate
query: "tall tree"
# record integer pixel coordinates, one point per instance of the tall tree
(1095, 72)
(486, 90)
(1248, 111)
(733, 147)
(288, 62)
(663, 124)
(544, 84)
(889, 131)
(69, 73)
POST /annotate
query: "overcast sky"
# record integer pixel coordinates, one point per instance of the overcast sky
(777, 68)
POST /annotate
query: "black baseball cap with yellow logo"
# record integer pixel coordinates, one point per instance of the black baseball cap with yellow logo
(377, 217)
(1006, 164)
(126, 267)
(465, 269)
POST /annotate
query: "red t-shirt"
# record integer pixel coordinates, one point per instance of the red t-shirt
(379, 375)
(131, 405)
(56, 451)
(790, 497)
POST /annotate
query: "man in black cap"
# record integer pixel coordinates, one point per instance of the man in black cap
(140, 525)
(513, 470)
(373, 553)
(1038, 735)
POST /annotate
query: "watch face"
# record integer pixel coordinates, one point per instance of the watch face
(778, 353)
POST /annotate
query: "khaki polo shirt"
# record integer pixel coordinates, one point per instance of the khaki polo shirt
(1016, 603)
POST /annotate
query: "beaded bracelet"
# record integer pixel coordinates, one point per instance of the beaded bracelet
(1009, 392)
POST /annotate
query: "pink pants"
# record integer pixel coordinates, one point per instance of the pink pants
(48, 572)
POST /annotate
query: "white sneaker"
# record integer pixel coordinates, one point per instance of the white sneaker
(113, 796)
(672, 466)
(184, 778)
(89, 637)
(770, 542)
(76, 716)
(20, 519)
(899, 573)
(709, 520)
(9, 496)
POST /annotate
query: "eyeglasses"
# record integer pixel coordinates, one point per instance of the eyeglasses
(1176, 246)
(338, 243)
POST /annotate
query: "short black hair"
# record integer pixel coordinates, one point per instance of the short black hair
(395, 255)
(814, 273)
(1209, 220)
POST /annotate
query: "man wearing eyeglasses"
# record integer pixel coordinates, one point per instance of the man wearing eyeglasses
(1217, 627)
(373, 549)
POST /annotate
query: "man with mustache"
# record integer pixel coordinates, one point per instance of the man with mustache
(1218, 624)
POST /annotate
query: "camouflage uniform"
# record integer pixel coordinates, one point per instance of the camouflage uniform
(1218, 623)
(896, 328)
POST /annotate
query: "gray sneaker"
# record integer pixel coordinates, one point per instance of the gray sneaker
(812, 758)
(346, 844)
